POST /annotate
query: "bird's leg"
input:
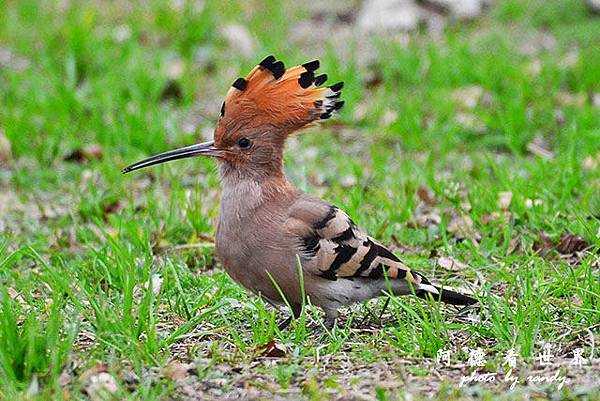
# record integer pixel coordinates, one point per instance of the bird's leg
(294, 313)
(369, 313)
(364, 319)
(331, 316)
(385, 305)
(284, 325)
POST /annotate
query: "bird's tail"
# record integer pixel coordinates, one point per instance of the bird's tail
(286, 99)
(445, 296)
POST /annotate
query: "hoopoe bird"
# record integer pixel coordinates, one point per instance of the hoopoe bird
(266, 225)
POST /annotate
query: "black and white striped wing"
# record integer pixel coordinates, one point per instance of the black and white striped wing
(332, 246)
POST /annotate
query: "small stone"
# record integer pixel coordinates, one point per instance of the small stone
(102, 386)
(121, 33)
(529, 203)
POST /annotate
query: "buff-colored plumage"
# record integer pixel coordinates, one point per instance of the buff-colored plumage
(266, 224)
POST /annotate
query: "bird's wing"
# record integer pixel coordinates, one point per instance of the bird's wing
(332, 246)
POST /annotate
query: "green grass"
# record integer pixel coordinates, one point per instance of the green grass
(100, 268)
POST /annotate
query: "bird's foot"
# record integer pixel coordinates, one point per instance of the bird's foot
(330, 323)
(370, 314)
(322, 329)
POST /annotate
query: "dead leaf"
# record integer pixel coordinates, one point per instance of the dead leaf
(489, 217)
(13, 293)
(5, 147)
(272, 349)
(576, 300)
(496, 216)
(111, 207)
(570, 247)
(570, 243)
(373, 79)
(426, 195)
(504, 199)
(540, 147)
(424, 220)
(389, 116)
(426, 213)
(543, 245)
(177, 371)
(398, 246)
(461, 227)
(513, 245)
(450, 264)
(86, 153)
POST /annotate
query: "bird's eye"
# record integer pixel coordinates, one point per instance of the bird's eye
(244, 143)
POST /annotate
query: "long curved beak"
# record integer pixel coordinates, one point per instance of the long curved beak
(201, 149)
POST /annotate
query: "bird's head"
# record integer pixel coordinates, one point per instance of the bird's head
(258, 114)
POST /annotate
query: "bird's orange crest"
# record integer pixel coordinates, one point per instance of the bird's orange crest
(283, 100)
